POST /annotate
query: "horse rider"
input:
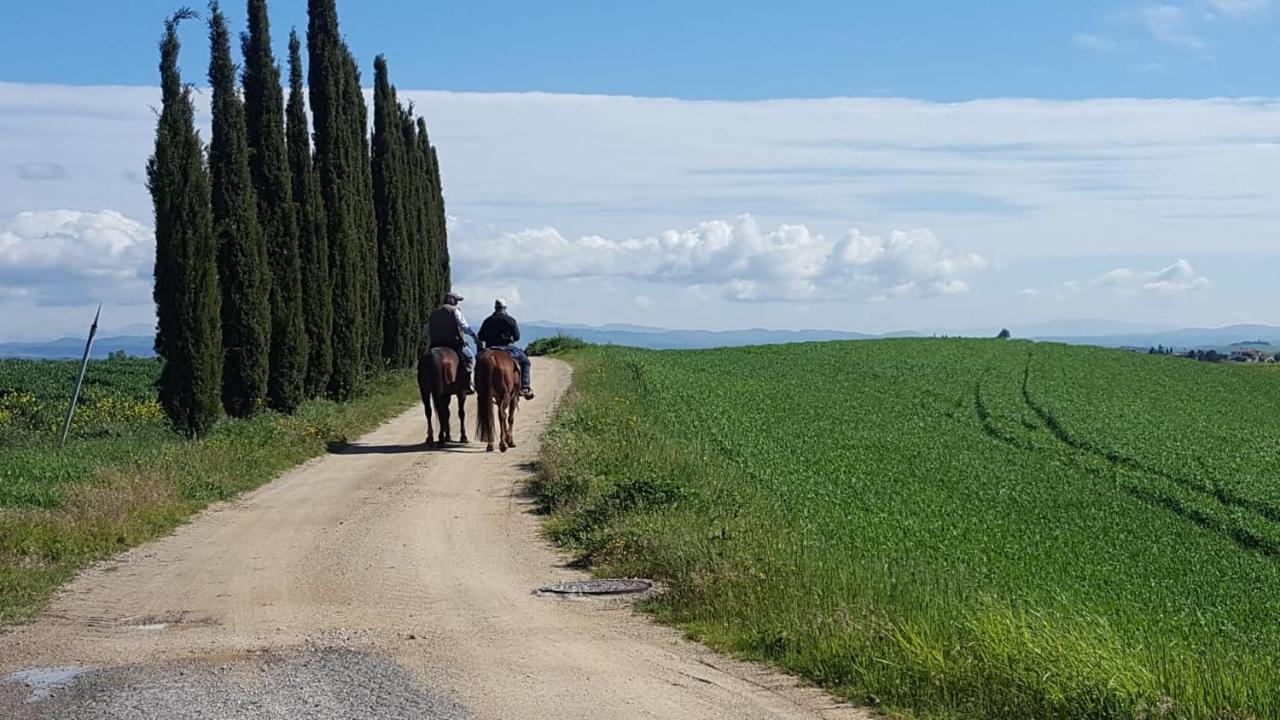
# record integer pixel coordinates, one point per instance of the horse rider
(501, 332)
(446, 327)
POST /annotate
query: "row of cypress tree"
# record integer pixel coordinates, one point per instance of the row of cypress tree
(286, 268)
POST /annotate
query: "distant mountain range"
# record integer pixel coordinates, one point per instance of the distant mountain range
(132, 345)
(1101, 333)
(1184, 339)
(1075, 332)
(664, 339)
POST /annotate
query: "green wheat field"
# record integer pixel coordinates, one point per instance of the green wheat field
(943, 527)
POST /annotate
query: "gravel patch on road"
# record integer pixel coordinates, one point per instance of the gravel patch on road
(325, 684)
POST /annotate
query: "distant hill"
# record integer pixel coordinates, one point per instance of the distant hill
(1185, 339)
(132, 345)
(1125, 336)
(663, 339)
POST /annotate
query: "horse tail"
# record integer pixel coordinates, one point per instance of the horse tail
(484, 397)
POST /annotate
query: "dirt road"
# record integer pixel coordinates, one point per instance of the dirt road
(380, 582)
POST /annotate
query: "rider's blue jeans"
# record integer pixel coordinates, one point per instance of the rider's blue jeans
(468, 359)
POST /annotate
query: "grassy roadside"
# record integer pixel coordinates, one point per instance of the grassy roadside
(891, 538)
(128, 479)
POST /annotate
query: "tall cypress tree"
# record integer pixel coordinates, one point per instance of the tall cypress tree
(366, 218)
(317, 298)
(416, 261)
(328, 77)
(437, 220)
(188, 337)
(277, 214)
(444, 275)
(391, 201)
(428, 295)
(242, 257)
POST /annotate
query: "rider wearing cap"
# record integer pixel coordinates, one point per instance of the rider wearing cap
(446, 327)
(501, 332)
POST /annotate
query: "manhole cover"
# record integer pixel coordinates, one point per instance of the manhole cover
(603, 586)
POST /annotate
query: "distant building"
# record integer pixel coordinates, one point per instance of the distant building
(1250, 355)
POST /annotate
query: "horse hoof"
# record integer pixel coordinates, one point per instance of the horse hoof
(489, 447)
(511, 444)
(464, 440)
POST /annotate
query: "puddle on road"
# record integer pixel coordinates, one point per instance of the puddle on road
(43, 682)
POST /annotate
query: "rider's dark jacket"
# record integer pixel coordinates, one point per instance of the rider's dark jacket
(443, 328)
(499, 329)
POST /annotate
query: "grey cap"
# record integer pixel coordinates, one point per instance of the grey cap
(452, 298)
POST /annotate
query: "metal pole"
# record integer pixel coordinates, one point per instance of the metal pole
(84, 364)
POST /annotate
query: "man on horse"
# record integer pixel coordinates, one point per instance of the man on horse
(501, 332)
(446, 327)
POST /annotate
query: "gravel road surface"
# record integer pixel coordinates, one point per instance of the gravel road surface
(384, 581)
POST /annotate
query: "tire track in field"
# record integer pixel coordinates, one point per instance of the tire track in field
(1250, 524)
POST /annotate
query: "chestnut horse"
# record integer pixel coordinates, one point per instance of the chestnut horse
(439, 377)
(497, 383)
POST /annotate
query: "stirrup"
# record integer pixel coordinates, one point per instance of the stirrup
(526, 392)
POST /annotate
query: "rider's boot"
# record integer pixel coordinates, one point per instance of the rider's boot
(526, 392)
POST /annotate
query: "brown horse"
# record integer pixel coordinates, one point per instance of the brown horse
(439, 377)
(497, 383)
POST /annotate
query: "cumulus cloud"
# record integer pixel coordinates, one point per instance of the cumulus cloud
(743, 261)
(67, 257)
(480, 295)
(1078, 179)
(1176, 278)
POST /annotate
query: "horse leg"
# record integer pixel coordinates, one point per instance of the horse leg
(442, 414)
(430, 429)
(511, 420)
(503, 433)
(462, 418)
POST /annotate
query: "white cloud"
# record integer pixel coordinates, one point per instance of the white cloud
(480, 295)
(1176, 278)
(1238, 8)
(67, 257)
(1093, 41)
(1169, 24)
(746, 263)
(1043, 184)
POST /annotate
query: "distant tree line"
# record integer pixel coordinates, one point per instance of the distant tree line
(1212, 356)
(288, 265)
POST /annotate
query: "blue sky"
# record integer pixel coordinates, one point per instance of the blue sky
(721, 49)
(954, 166)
